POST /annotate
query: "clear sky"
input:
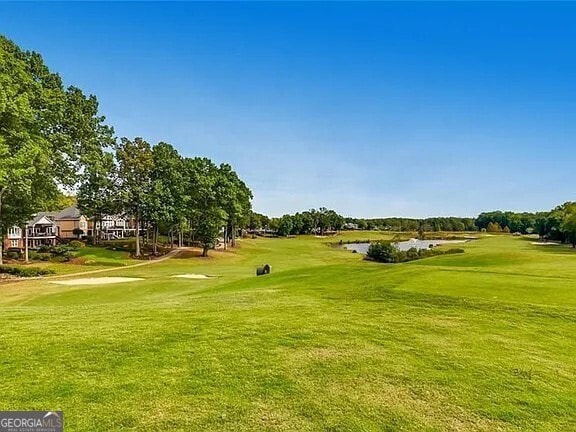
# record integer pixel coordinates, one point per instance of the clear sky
(372, 109)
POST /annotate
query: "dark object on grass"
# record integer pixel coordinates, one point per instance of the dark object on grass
(265, 269)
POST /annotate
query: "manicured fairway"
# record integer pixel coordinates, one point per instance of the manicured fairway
(484, 340)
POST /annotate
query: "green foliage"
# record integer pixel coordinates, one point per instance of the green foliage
(386, 252)
(77, 232)
(25, 271)
(410, 224)
(14, 255)
(76, 245)
(568, 225)
(47, 134)
(382, 251)
(493, 227)
(285, 225)
(308, 222)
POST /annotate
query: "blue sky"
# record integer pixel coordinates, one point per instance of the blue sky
(373, 109)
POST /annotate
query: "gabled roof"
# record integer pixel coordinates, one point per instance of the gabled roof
(42, 217)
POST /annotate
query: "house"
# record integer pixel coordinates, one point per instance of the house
(47, 229)
(70, 222)
(112, 227)
(40, 231)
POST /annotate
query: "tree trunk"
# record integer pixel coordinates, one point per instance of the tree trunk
(233, 235)
(155, 240)
(1, 247)
(2, 190)
(26, 243)
(205, 250)
(226, 237)
(137, 237)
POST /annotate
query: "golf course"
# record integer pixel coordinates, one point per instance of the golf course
(477, 341)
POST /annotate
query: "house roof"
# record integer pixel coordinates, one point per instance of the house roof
(38, 217)
(70, 213)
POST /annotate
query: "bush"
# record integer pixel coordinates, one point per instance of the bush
(76, 244)
(25, 271)
(386, 252)
(13, 255)
(382, 251)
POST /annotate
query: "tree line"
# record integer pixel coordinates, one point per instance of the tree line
(166, 193)
(558, 224)
(411, 224)
(53, 137)
(314, 221)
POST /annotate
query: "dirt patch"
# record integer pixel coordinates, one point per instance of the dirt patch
(193, 276)
(97, 281)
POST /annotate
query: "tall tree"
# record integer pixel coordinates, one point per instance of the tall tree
(135, 165)
(234, 198)
(98, 191)
(167, 190)
(205, 213)
(46, 134)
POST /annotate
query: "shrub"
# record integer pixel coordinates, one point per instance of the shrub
(25, 271)
(382, 251)
(76, 244)
(386, 252)
(13, 255)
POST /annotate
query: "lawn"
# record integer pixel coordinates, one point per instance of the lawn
(478, 341)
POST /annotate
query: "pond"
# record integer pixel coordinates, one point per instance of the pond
(403, 246)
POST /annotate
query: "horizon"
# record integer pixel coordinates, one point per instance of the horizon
(375, 110)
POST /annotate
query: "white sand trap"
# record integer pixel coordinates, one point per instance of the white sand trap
(545, 244)
(97, 281)
(193, 276)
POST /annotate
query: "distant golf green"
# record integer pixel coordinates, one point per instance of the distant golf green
(480, 341)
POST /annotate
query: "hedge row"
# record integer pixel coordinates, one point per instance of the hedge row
(25, 271)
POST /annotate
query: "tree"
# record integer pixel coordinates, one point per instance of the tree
(569, 228)
(204, 212)
(46, 134)
(164, 206)
(285, 225)
(98, 191)
(135, 165)
(234, 198)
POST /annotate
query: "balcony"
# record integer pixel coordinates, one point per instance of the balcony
(41, 234)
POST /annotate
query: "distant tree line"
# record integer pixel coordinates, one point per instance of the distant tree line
(314, 221)
(409, 224)
(52, 138)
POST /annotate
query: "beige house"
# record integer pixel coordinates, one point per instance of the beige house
(70, 220)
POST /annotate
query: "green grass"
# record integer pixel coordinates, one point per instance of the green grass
(327, 342)
(102, 256)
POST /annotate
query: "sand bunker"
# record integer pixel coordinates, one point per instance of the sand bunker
(545, 244)
(193, 276)
(97, 281)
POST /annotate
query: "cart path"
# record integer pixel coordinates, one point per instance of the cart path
(171, 254)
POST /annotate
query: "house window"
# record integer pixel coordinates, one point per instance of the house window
(14, 243)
